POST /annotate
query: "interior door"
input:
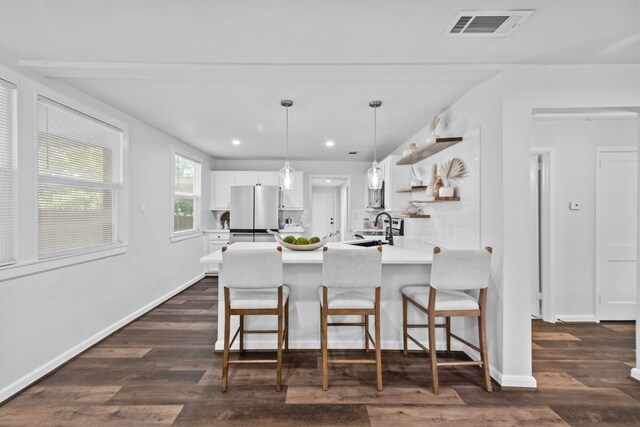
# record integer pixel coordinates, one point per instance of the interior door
(323, 213)
(616, 234)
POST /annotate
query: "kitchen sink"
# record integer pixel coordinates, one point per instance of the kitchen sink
(367, 243)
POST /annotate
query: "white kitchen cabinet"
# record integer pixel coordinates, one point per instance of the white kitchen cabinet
(395, 178)
(269, 178)
(247, 178)
(220, 189)
(294, 199)
(215, 242)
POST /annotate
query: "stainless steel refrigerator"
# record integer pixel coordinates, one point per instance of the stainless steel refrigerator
(254, 210)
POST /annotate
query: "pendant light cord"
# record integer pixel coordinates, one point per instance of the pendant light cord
(287, 132)
(375, 134)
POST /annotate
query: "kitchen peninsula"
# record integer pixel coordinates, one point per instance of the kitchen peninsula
(407, 262)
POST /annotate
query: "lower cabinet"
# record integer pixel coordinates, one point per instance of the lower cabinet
(216, 242)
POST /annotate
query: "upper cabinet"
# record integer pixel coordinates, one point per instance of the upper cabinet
(222, 181)
(294, 199)
(395, 177)
(220, 188)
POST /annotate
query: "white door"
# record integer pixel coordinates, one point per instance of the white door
(616, 234)
(534, 189)
(322, 213)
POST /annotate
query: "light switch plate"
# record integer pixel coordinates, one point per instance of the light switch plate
(143, 208)
(574, 206)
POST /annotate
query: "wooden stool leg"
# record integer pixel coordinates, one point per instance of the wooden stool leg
(241, 333)
(324, 339)
(378, 343)
(432, 341)
(404, 325)
(225, 357)
(365, 319)
(448, 322)
(279, 357)
(482, 331)
(286, 325)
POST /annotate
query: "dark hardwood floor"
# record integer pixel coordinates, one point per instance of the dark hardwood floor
(161, 370)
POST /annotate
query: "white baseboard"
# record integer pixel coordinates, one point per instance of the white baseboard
(54, 363)
(635, 374)
(519, 381)
(577, 318)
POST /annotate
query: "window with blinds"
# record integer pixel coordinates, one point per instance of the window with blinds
(186, 198)
(7, 173)
(79, 181)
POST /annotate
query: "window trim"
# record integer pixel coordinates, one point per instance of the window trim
(14, 173)
(27, 262)
(197, 231)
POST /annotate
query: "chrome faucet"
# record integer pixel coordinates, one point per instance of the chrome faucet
(388, 232)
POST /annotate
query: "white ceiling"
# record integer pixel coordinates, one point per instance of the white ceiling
(208, 72)
(327, 182)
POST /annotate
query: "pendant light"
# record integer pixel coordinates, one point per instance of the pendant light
(287, 172)
(375, 175)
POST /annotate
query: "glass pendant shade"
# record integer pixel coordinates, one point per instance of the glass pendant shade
(286, 177)
(375, 176)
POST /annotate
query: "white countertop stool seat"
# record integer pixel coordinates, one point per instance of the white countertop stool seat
(351, 280)
(452, 273)
(253, 286)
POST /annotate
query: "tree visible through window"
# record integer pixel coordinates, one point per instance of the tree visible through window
(186, 194)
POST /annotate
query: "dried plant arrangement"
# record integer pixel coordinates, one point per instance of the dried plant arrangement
(433, 124)
(453, 169)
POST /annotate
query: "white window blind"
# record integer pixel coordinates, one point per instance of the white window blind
(186, 198)
(79, 181)
(7, 174)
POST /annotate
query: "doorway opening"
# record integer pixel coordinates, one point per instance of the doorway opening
(542, 195)
(330, 202)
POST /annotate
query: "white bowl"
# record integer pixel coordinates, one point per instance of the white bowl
(311, 247)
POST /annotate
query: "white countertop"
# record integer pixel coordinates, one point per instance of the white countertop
(217, 230)
(405, 251)
(367, 230)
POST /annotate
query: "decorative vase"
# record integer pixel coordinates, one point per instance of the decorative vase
(432, 137)
(446, 191)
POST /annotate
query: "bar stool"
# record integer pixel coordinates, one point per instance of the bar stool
(253, 286)
(351, 280)
(452, 273)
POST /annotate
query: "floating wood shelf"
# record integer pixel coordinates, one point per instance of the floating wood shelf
(414, 216)
(437, 200)
(428, 150)
(410, 189)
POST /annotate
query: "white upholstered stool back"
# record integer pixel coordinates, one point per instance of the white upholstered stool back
(461, 269)
(252, 267)
(352, 268)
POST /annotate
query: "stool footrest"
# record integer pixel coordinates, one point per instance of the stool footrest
(345, 324)
(260, 331)
(410, 325)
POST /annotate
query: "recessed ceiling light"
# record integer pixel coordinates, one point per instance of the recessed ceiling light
(236, 142)
(328, 180)
(329, 144)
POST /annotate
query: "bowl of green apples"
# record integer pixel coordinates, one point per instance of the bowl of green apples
(302, 243)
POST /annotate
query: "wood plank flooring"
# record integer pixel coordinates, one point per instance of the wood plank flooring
(161, 370)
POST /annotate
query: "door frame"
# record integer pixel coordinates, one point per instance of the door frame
(346, 226)
(548, 249)
(599, 151)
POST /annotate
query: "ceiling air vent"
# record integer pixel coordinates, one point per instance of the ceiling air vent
(486, 23)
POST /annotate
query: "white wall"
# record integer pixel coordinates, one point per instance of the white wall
(356, 170)
(527, 88)
(48, 317)
(575, 143)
